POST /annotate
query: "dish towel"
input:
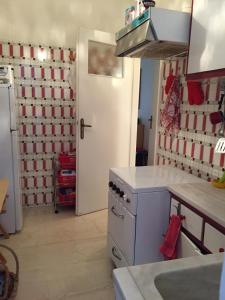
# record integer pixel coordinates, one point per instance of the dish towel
(170, 116)
(168, 247)
(195, 93)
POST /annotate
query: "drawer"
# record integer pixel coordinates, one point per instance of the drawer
(115, 253)
(186, 248)
(121, 227)
(214, 240)
(192, 221)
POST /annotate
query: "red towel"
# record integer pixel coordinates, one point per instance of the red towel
(169, 82)
(168, 247)
(195, 93)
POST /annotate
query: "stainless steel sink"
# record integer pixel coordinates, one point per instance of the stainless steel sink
(191, 284)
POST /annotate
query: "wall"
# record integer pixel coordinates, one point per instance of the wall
(192, 149)
(146, 94)
(182, 5)
(56, 23)
(45, 98)
(46, 110)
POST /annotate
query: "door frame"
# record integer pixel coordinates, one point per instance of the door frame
(153, 140)
(134, 113)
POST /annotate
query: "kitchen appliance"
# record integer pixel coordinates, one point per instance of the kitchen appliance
(157, 33)
(138, 214)
(12, 220)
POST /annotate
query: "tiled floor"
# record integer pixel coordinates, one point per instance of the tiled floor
(63, 257)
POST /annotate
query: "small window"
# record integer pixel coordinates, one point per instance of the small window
(102, 60)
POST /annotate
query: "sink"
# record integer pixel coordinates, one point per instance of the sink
(191, 284)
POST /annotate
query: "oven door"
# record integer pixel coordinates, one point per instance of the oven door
(122, 227)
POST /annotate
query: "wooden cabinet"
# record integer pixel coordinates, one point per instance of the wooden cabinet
(207, 44)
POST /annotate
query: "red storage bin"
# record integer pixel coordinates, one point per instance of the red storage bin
(67, 177)
(67, 197)
(67, 161)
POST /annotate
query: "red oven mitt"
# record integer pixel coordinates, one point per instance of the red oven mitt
(195, 93)
(169, 82)
(169, 245)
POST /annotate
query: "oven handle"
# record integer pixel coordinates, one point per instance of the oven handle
(114, 252)
(113, 210)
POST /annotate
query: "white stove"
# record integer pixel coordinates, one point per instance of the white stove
(139, 208)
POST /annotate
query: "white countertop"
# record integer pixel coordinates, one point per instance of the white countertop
(139, 178)
(141, 279)
(204, 197)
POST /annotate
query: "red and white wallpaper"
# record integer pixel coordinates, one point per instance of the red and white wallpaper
(192, 149)
(46, 113)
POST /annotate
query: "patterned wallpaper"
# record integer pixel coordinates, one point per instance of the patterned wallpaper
(46, 109)
(192, 149)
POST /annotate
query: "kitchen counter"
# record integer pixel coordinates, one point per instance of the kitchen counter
(157, 177)
(204, 197)
(138, 282)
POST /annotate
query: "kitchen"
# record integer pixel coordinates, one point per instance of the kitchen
(143, 203)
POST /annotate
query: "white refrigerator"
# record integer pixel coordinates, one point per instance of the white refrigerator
(12, 220)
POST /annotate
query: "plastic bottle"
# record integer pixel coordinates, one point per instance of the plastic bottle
(137, 8)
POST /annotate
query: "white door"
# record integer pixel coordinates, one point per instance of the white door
(107, 100)
(8, 220)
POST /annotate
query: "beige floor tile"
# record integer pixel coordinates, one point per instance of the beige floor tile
(102, 294)
(63, 256)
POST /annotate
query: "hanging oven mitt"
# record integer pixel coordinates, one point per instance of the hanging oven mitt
(169, 82)
(169, 245)
(195, 93)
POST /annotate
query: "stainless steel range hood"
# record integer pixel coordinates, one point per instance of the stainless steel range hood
(158, 34)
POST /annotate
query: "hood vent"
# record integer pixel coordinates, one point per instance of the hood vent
(158, 34)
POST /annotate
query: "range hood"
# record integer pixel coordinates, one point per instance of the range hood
(158, 33)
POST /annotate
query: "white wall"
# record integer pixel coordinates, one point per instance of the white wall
(182, 5)
(56, 22)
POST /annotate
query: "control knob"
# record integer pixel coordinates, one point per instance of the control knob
(110, 184)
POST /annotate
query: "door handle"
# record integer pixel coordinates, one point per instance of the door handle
(114, 252)
(82, 126)
(150, 122)
(113, 210)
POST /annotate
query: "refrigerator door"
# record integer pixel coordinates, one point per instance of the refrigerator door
(12, 104)
(17, 182)
(8, 220)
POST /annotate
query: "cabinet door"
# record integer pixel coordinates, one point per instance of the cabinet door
(207, 45)
(186, 248)
(192, 221)
(214, 240)
(128, 236)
